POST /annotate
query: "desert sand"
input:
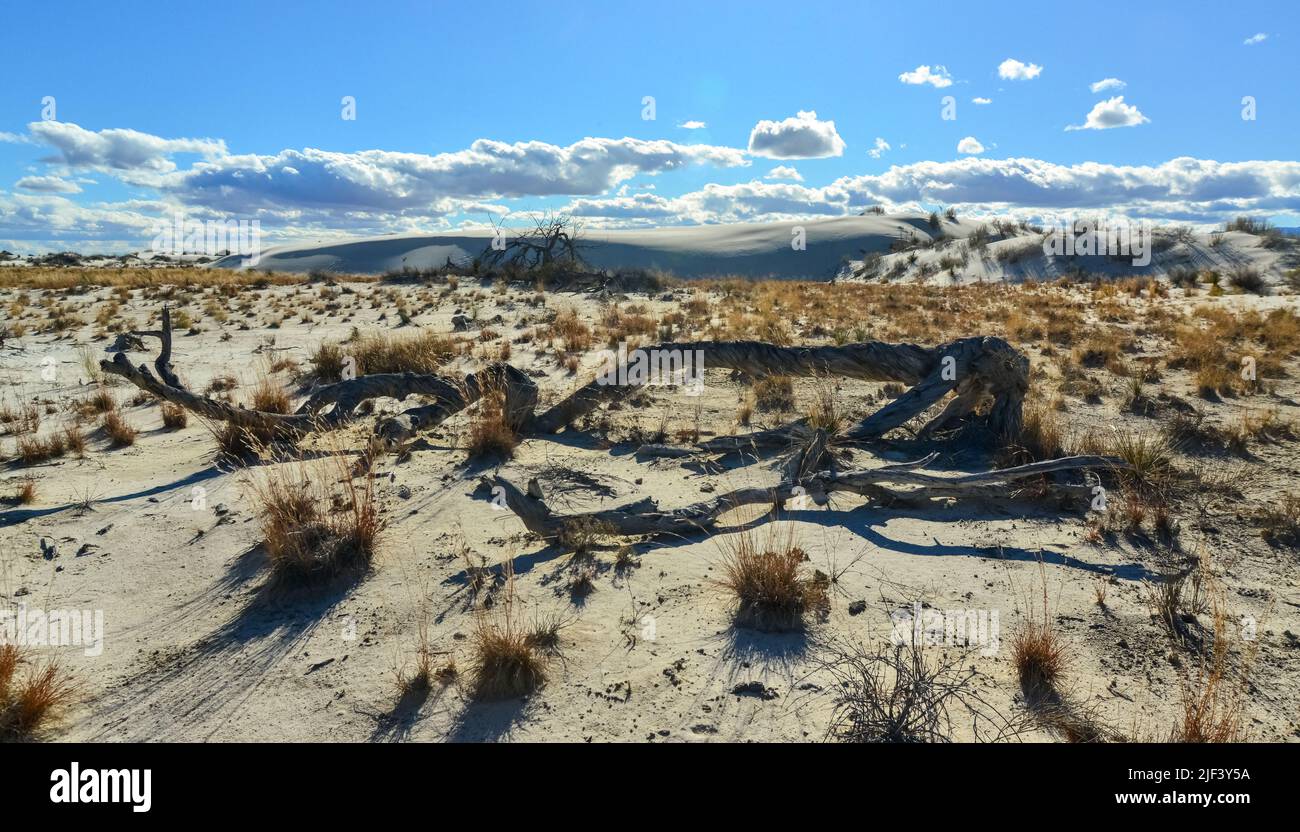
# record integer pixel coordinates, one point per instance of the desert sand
(164, 538)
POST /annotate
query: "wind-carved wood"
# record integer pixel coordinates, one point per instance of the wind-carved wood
(979, 369)
(988, 376)
(644, 517)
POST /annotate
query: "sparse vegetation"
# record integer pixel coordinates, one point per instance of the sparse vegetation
(32, 692)
(317, 520)
(508, 661)
(768, 581)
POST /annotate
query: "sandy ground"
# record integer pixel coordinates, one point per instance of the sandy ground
(196, 648)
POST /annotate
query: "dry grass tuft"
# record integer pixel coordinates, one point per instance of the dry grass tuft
(507, 660)
(1037, 650)
(174, 417)
(423, 352)
(26, 494)
(774, 394)
(32, 449)
(328, 363)
(29, 703)
(1213, 699)
(490, 433)
(317, 521)
(118, 430)
(1280, 522)
(768, 582)
(270, 396)
(1041, 437)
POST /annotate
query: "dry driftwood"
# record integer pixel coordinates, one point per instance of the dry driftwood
(978, 369)
(335, 405)
(988, 376)
(646, 518)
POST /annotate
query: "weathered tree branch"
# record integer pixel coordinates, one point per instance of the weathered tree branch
(977, 369)
(646, 518)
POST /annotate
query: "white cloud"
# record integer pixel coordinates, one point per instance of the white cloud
(1258, 37)
(970, 145)
(1013, 70)
(1112, 112)
(1107, 84)
(784, 172)
(978, 100)
(386, 181)
(48, 216)
(637, 206)
(801, 137)
(692, 125)
(130, 152)
(48, 185)
(936, 77)
(880, 148)
(1180, 190)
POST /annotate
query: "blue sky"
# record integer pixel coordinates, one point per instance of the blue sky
(234, 110)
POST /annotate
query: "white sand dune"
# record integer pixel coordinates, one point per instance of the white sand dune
(748, 249)
(831, 247)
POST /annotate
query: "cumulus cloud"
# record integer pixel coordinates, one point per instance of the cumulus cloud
(880, 148)
(1258, 37)
(970, 145)
(386, 181)
(693, 125)
(1013, 70)
(936, 77)
(801, 137)
(1112, 112)
(48, 185)
(784, 172)
(978, 100)
(48, 216)
(118, 150)
(1180, 190)
(637, 206)
(1107, 84)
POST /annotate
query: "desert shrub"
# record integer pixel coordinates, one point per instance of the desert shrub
(317, 520)
(774, 393)
(1037, 650)
(29, 702)
(270, 396)
(508, 658)
(768, 582)
(1249, 280)
(327, 362)
(118, 430)
(902, 693)
(1280, 521)
(174, 417)
(490, 433)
